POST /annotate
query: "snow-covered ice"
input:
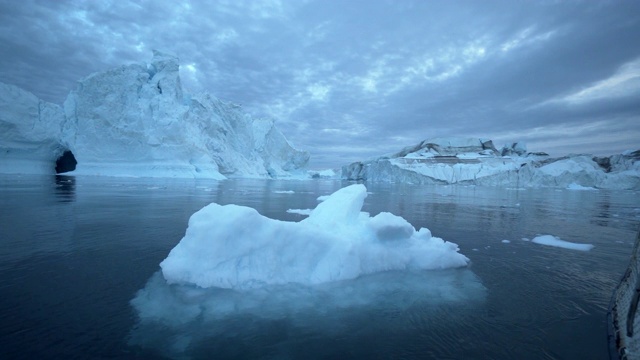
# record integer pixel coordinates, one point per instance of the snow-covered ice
(551, 240)
(235, 247)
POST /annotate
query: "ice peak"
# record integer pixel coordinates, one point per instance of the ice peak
(162, 61)
(343, 206)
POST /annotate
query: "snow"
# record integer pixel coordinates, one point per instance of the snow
(235, 247)
(551, 240)
(135, 120)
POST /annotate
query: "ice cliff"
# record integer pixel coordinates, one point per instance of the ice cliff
(30, 132)
(479, 162)
(135, 120)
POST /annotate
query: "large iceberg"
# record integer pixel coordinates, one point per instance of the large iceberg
(30, 132)
(478, 162)
(136, 120)
(235, 247)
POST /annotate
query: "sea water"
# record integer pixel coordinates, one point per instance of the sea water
(79, 263)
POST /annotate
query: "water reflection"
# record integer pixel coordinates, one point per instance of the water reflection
(604, 211)
(179, 320)
(65, 188)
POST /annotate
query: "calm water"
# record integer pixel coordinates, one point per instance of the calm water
(79, 268)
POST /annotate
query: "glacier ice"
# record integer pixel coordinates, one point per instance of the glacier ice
(478, 162)
(30, 132)
(235, 247)
(135, 120)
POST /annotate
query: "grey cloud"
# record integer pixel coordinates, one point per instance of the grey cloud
(369, 56)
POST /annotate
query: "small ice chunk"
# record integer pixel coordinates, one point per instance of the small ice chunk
(305, 212)
(574, 186)
(505, 241)
(525, 239)
(284, 192)
(323, 198)
(551, 240)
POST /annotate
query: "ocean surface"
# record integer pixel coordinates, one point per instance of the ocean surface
(79, 270)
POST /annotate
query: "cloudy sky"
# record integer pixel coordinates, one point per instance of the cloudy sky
(351, 79)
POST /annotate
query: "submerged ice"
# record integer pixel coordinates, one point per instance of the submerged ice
(180, 321)
(235, 247)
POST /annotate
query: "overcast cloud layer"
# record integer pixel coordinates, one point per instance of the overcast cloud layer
(348, 80)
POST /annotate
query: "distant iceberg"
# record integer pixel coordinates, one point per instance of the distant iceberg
(237, 248)
(135, 120)
(478, 162)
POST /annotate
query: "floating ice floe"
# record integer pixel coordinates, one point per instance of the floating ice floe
(235, 247)
(574, 186)
(551, 240)
(305, 212)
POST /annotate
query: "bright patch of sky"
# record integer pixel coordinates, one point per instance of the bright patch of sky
(624, 82)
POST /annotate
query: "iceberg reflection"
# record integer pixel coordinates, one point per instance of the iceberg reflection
(179, 320)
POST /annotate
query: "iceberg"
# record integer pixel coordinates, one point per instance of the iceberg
(478, 162)
(236, 273)
(30, 132)
(136, 120)
(234, 247)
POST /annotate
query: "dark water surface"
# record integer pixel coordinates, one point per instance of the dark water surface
(79, 267)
